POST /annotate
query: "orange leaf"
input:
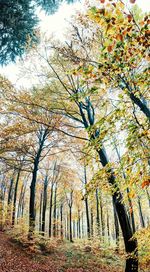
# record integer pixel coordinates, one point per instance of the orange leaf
(119, 37)
(110, 48)
(145, 183)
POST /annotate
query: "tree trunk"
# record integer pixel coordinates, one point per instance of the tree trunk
(108, 229)
(23, 201)
(54, 211)
(32, 200)
(61, 221)
(140, 213)
(67, 227)
(15, 198)
(87, 218)
(116, 223)
(20, 201)
(42, 137)
(50, 210)
(70, 224)
(87, 206)
(102, 216)
(79, 225)
(92, 221)
(2, 203)
(82, 225)
(9, 201)
(57, 224)
(131, 212)
(40, 212)
(97, 213)
(143, 107)
(130, 244)
(44, 204)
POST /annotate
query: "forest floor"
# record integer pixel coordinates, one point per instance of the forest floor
(65, 258)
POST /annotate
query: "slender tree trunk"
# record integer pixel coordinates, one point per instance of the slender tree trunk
(44, 204)
(102, 216)
(1, 211)
(10, 191)
(15, 198)
(9, 201)
(61, 221)
(87, 218)
(2, 203)
(40, 212)
(87, 207)
(140, 213)
(92, 221)
(108, 229)
(74, 229)
(82, 225)
(97, 213)
(32, 200)
(57, 229)
(23, 201)
(70, 224)
(54, 211)
(79, 225)
(20, 201)
(50, 210)
(116, 223)
(67, 225)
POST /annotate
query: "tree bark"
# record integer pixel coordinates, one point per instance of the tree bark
(108, 229)
(9, 200)
(116, 226)
(143, 107)
(54, 211)
(50, 210)
(141, 213)
(40, 212)
(87, 206)
(32, 199)
(70, 224)
(92, 223)
(102, 216)
(61, 221)
(44, 204)
(97, 213)
(15, 198)
(79, 225)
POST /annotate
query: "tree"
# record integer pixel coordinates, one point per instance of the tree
(123, 59)
(17, 29)
(18, 26)
(50, 6)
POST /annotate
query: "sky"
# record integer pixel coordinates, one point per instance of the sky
(55, 24)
